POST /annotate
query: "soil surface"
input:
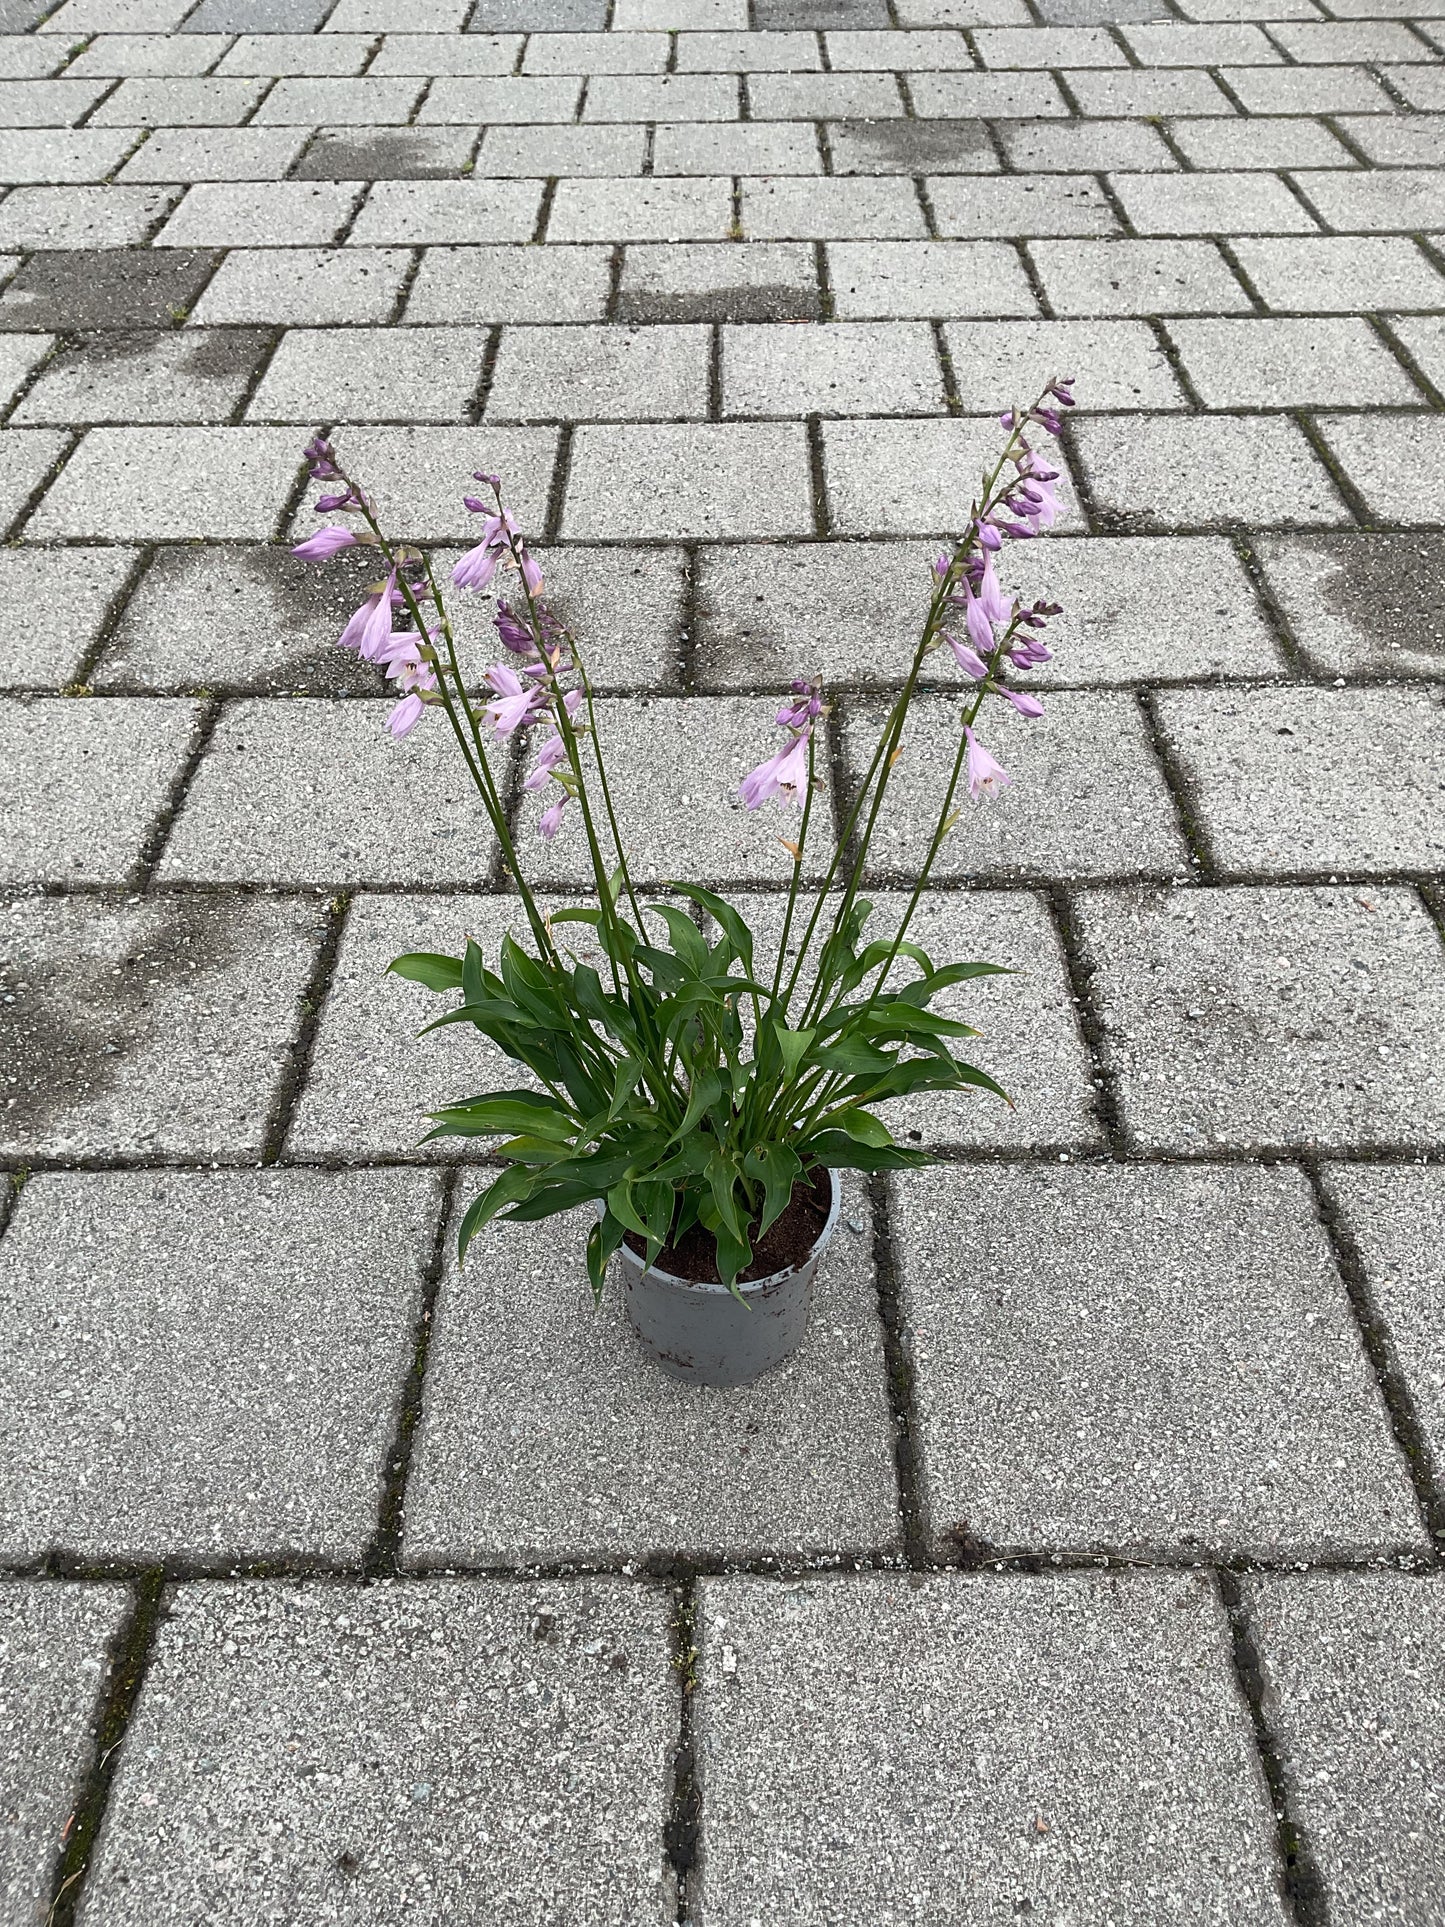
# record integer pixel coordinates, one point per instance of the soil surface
(788, 1243)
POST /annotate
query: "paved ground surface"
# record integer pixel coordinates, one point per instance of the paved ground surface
(1086, 1566)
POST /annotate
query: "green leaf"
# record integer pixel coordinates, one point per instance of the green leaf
(732, 925)
(841, 1152)
(777, 1167)
(474, 988)
(853, 1056)
(502, 1112)
(861, 1126)
(425, 967)
(793, 1045)
(602, 1241)
(733, 1250)
(926, 988)
(700, 1100)
(687, 942)
(510, 1188)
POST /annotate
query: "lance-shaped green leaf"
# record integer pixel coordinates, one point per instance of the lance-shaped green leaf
(700, 1100)
(841, 1152)
(687, 940)
(511, 1187)
(924, 989)
(425, 967)
(777, 1168)
(733, 926)
(502, 1112)
(602, 1241)
(793, 1047)
(862, 1126)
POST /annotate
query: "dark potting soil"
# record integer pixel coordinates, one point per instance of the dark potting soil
(789, 1241)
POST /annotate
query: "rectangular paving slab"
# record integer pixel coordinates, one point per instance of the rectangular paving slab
(540, 1410)
(132, 1029)
(205, 1365)
(75, 587)
(1362, 604)
(977, 1748)
(477, 1750)
(1141, 1360)
(1356, 1694)
(54, 1641)
(1259, 1017)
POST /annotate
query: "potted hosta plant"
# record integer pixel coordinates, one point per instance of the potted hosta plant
(700, 1097)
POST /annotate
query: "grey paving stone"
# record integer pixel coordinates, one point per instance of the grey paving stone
(969, 13)
(726, 481)
(75, 588)
(736, 147)
(1397, 1217)
(115, 16)
(256, 16)
(1151, 91)
(1029, 1033)
(823, 96)
(1138, 277)
(511, 284)
(1283, 364)
(419, 476)
(1311, 1016)
(1352, 1667)
(957, 96)
(1319, 41)
(1308, 90)
(820, 13)
(1118, 364)
(54, 1652)
(596, 53)
(238, 618)
(388, 154)
(650, 210)
(196, 375)
(503, 1750)
(141, 484)
(27, 456)
(962, 1744)
(927, 278)
(82, 217)
(828, 210)
(1145, 608)
(1090, 13)
(215, 154)
(147, 55)
(63, 154)
(550, 16)
(1199, 472)
(1049, 47)
(846, 368)
(1221, 44)
(911, 147)
(408, 213)
(1260, 142)
(545, 151)
(1223, 203)
(1362, 604)
(382, 16)
(1421, 86)
(869, 51)
(1284, 779)
(529, 1439)
(1418, 141)
(1086, 798)
(1218, 1399)
(105, 288)
(1066, 147)
(179, 103)
(20, 355)
(322, 101)
(674, 765)
(82, 783)
(132, 1030)
(524, 101)
(303, 53)
(371, 374)
(600, 374)
(663, 97)
(428, 53)
(783, 53)
(1376, 451)
(849, 612)
(24, 56)
(310, 793)
(47, 103)
(1018, 205)
(305, 285)
(1326, 275)
(1372, 200)
(903, 477)
(219, 214)
(206, 1364)
(719, 281)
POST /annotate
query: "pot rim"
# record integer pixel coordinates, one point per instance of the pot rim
(744, 1285)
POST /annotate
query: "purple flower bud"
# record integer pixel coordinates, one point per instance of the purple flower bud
(970, 663)
(552, 818)
(988, 536)
(475, 505)
(325, 504)
(1025, 704)
(324, 544)
(1047, 418)
(493, 482)
(514, 632)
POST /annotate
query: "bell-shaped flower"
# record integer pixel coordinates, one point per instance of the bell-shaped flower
(986, 776)
(784, 775)
(517, 703)
(324, 544)
(1025, 704)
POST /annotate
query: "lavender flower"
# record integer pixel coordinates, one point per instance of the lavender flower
(324, 544)
(986, 776)
(516, 703)
(786, 774)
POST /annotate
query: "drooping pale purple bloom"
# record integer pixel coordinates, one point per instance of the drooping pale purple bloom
(784, 775)
(515, 633)
(988, 535)
(986, 776)
(403, 719)
(1025, 704)
(552, 753)
(325, 543)
(517, 703)
(370, 628)
(968, 661)
(975, 616)
(531, 573)
(996, 605)
(1025, 652)
(552, 818)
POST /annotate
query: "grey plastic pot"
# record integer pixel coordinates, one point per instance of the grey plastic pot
(699, 1332)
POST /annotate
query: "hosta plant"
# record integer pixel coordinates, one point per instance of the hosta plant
(685, 1079)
